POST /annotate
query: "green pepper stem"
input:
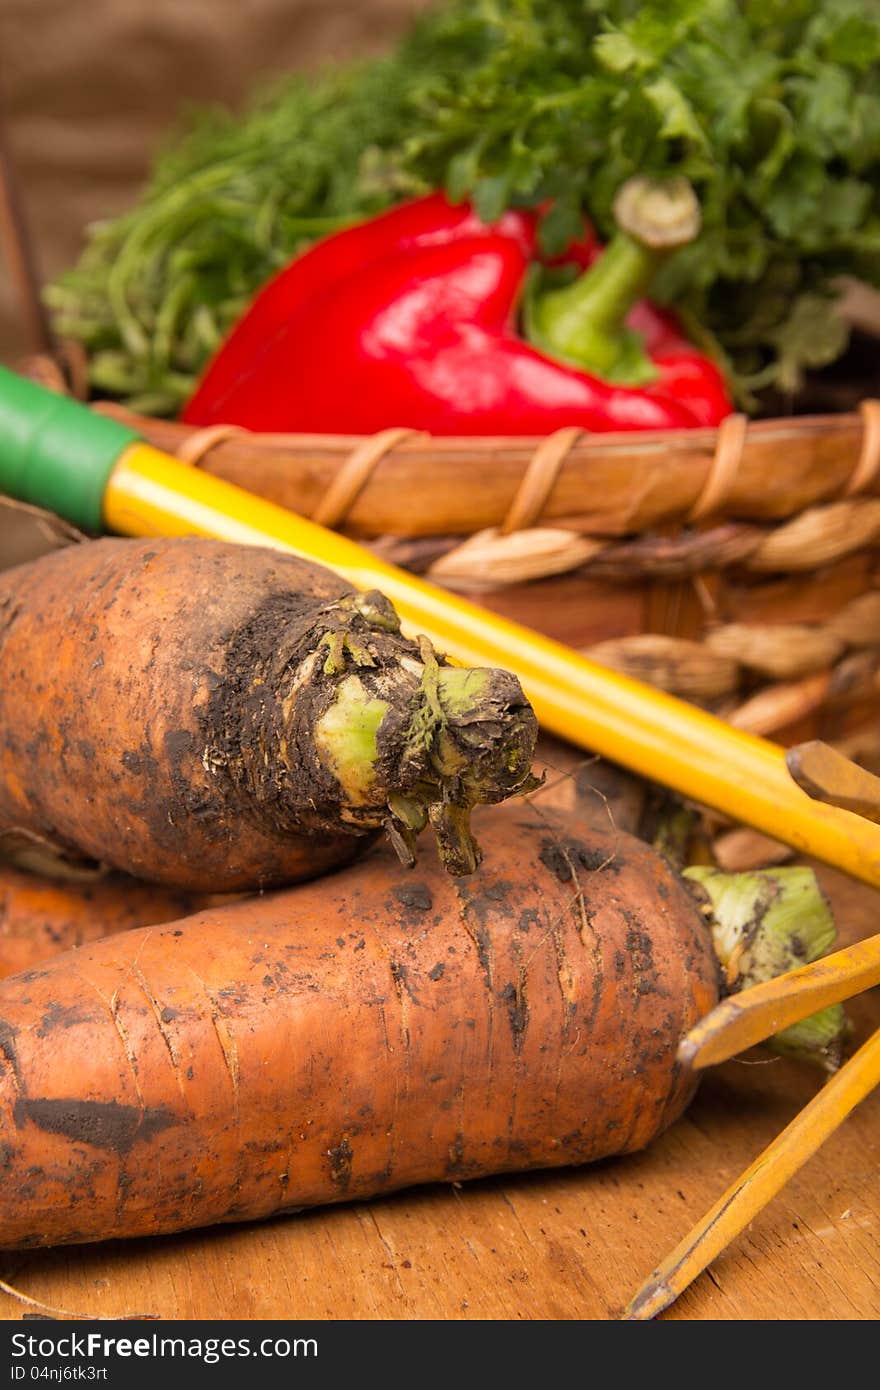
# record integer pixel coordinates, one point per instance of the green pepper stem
(585, 322)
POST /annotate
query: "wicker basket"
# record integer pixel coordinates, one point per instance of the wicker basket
(738, 567)
(735, 567)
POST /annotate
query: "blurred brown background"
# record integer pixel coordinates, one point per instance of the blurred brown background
(88, 90)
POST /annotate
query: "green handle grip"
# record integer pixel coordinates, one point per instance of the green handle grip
(55, 452)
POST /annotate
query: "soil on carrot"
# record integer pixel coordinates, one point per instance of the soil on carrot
(221, 717)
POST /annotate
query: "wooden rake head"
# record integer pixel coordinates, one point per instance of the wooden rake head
(749, 1018)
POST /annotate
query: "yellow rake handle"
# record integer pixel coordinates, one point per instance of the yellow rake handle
(667, 740)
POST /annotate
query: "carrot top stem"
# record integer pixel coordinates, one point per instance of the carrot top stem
(426, 742)
(348, 722)
(765, 923)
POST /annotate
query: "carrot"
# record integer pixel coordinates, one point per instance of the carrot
(354, 1036)
(40, 917)
(221, 717)
(47, 906)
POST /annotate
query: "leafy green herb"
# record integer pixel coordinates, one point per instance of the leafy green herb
(770, 107)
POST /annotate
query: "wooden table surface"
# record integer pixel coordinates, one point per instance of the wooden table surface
(561, 1245)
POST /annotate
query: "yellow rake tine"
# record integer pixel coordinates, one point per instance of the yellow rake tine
(760, 1183)
(827, 775)
(748, 1018)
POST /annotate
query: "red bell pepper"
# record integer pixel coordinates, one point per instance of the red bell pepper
(422, 317)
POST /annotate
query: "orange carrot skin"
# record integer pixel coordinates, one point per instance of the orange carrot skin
(353, 1036)
(110, 652)
(223, 718)
(41, 917)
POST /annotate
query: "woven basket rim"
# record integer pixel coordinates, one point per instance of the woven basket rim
(731, 518)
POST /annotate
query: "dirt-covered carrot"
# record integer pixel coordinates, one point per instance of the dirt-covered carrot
(41, 917)
(221, 717)
(353, 1036)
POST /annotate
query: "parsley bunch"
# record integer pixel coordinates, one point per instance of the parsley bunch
(770, 107)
